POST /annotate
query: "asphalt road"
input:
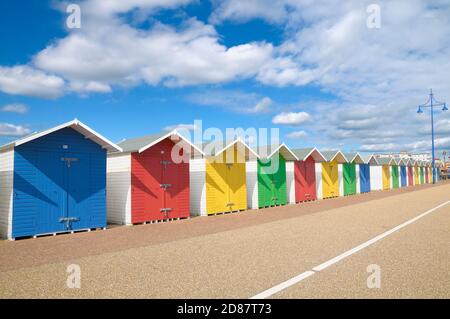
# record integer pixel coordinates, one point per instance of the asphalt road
(242, 255)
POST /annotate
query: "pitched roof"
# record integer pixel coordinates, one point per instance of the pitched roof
(331, 155)
(354, 157)
(270, 150)
(75, 125)
(303, 153)
(385, 160)
(215, 148)
(371, 159)
(140, 144)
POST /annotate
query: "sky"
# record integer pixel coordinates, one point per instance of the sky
(327, 73)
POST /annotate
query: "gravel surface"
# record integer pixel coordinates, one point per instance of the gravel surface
(240, 255)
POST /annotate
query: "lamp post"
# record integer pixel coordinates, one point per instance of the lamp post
(432, 102)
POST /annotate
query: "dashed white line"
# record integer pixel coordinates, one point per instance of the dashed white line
(294, 280)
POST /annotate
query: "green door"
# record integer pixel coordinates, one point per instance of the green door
(422, 176)
(349, 178)
(272, 181)
(395, 176)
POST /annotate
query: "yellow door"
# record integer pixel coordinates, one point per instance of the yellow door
(330, 179)
(386, 177)
(238, 189)
(225, 183)
(416, 175)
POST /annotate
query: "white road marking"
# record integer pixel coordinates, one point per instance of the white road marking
(269, 292)
(290, 282)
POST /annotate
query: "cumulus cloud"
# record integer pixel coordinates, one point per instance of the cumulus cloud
(26, 80)
(262, 106)
(185, 127)
(15, 108)
(235, 101)
(11, 130)
(189, 55)
(291, 118)
(296, 134)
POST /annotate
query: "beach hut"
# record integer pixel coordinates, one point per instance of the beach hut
(149, 179)
(430, 172)
(54, 181)
(305, 173)
(386, 163)
(426, 170)
(416, 172)
(422, 172)
(395, 173)
(403, 172)
(376, 176)
(272, 175)
(331, 172)
(218, 180)
(410, 167)
(365, 178)
(350, 173)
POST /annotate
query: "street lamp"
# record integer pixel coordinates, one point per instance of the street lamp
(432, 102)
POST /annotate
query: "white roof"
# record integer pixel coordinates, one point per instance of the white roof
(74, 124)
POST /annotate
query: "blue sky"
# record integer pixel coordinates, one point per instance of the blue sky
(316, 72)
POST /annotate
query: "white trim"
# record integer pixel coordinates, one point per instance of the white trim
(319, 181)
(342, 154)
(360, 157)
(285, 147)
(314, 149)
(174, 132)
(104, 142)
(369, 159)
(232, 144)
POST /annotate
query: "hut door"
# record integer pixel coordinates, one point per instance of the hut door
(77, 185)
(310, 179)
(168, 186)
(386, 177)
(302, 187)
(50, 192)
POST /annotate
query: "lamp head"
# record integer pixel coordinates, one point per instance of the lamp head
(445, 107)
(419, 110)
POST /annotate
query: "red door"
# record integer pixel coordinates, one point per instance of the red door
(410, 176)
(305, 180)
(159, 185)
(426, 175)
(176, 194)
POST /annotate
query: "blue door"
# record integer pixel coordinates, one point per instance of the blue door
(65, 187)
(403, 175)
(364, 178)
(78, 191)
(50, 192)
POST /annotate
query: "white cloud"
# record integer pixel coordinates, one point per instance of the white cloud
(25, 80)
(190, 55)
(10, 130)
(15, 108)
(185, 127)
(238, 10)
(262, 106)
(297, 134)
(89, 86)
(235, 101)
(291, 118)
(111, 7)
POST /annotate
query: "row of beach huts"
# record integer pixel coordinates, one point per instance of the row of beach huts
(70, 178)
